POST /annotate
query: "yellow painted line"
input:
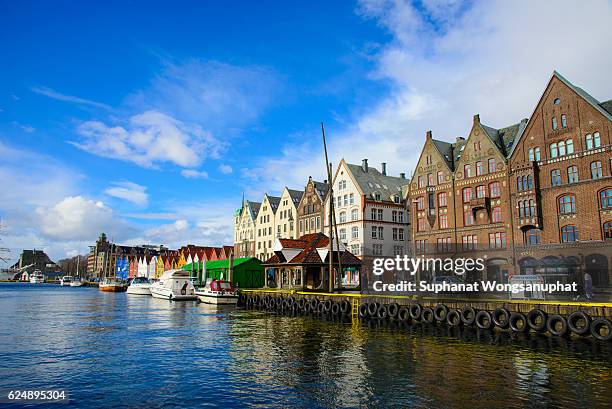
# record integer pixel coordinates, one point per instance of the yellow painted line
(406, 297)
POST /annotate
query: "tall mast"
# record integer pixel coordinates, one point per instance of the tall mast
(331, 212)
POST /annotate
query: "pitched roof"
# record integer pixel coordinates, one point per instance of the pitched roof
(296, 195)
(588, 97)
(607, 105)
(321, 188)
(310, 244)
(373, 182)
(274, 202)
(254, 208)
(505, 138)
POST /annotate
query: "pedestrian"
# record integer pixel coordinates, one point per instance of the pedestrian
(588, 286)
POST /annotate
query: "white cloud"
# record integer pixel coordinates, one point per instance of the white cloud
(75, 218)
(48, 92)
(148, 139)
(129, 191)
(225, 169)
(194, 174)
(448, 61)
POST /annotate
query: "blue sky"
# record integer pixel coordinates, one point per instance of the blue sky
(148, 120)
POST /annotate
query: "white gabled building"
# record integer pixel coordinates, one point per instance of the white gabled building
(371, 213)
(285, 220)
(266, 232)
(244, 229)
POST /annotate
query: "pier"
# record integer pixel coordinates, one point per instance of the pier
(558, 318)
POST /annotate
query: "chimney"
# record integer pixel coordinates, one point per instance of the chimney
(325, 181)
(309, 178)
(476, 119)
(384, 168)
(428, 135)
(364, 165)
(403, 175)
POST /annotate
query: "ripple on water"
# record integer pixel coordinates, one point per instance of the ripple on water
(121, 350)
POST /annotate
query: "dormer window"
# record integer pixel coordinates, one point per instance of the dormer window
(377, 196)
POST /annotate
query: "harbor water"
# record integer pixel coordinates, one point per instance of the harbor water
(121, 350)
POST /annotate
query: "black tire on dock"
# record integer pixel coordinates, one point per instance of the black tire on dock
(373, 309)
(483, 320)
(363, 311)
(335, 309)
(392, 310)
(279, 303)
(501, 317)
(327, 306)
(307, 308)
(557, 325)
(427, 315)
(453, 318)
(536, 319)
(345, 307)
(518, 322)
(382, 312)
(468, 315)
(440, 312)
(601, 329)
(579, 322)
(321, 307)
(301, 303)
(416, 311)
(403, 314)
(285, 305)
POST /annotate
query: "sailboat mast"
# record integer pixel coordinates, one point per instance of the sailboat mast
(332, 213)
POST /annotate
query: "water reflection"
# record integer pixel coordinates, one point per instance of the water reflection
(103, 346)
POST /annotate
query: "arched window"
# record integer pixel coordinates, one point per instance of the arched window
(607, 231)
(479, 168)
(569, 146)
(563, 121)
(555, 177)
(496, 214)
(342, 234)
(495, 189)
(492, 166)
(596, 140)
(533, 236)
(589, 141)
(342, 217)
(355, 232)
(519, 183)
(442, 199)
(467, 194)
(440, 177)
(554, 152)
(529, 182)
(567, 204)
(554, 123)
(532, 208)
(606, 198)
(596, 170)
(569, 234)
(481, 191)
(561, 146)
(467, 170)
(521, 209)
(354, 214)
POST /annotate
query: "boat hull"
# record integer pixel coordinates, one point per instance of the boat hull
(216, 299)
(76, 284)
(139, 290)
(35, 280)
(168, 294)
(113, 288)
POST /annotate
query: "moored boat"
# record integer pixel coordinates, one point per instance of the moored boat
(139, 286)
(174, 285)
(217, 292)
(65, 281)
(37, 277)
(113, 286)
(77, 282)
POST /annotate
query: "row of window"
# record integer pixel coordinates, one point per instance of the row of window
(286, 214)
(397, 216)
(378, 233)
(480, 169)
(527, 208)
(312, 224)
(468, 242)
(481, 191)
(311, 208)
(567, 203)
(566, 147)
(468, 219)
(345, 200)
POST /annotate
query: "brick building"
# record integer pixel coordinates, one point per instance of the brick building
(562, 185)
(311, 209)
(535, 196)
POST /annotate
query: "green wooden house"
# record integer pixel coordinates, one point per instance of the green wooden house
(248, 271)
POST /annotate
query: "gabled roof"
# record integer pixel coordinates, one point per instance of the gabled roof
(373, 182)
(296, 195)
(254, 208)
(588, 97)
(312, 247)
(321, 188)
(607, 105)
(505, 138)
(274, 202)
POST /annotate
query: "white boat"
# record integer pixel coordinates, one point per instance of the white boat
(37, 277)
(139, 286)
(174, 285)
(77, 282)
(65, 281)
(217, 292)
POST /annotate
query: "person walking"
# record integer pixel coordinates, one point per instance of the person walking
(588, 286)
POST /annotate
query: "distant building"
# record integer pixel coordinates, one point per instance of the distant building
(244, 229)
(311, 209)
(30, 260)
